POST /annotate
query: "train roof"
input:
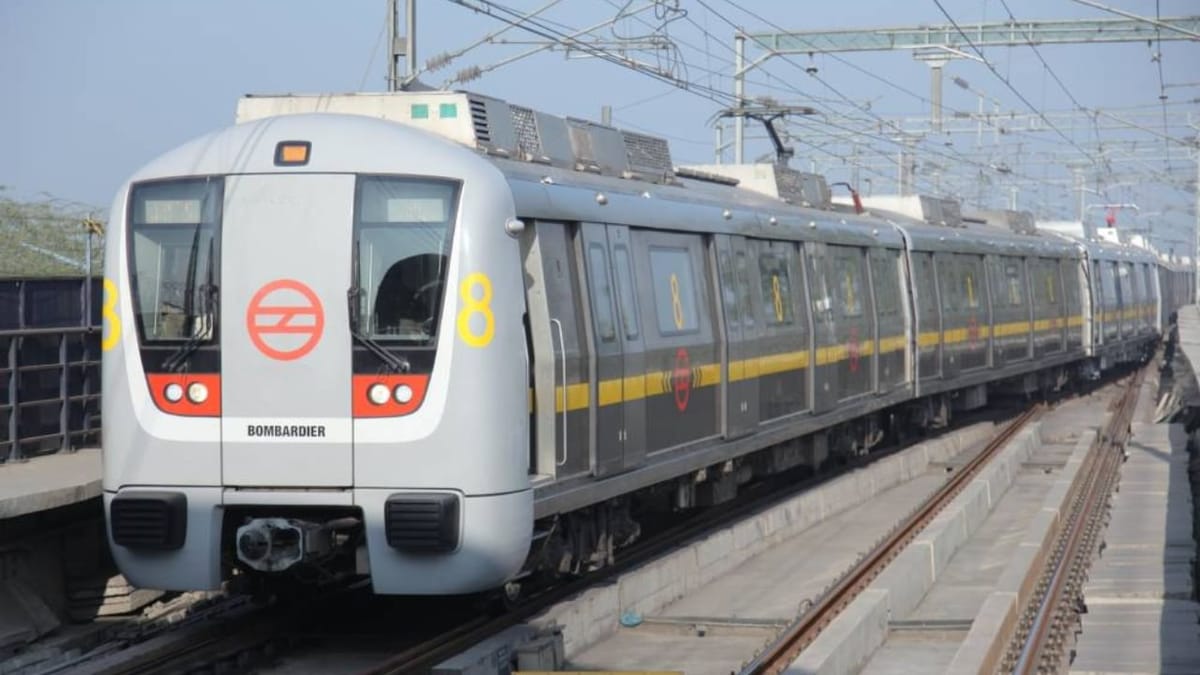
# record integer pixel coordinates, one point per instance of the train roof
(563, 167)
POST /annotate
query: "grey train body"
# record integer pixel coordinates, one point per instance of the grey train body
(337, 344)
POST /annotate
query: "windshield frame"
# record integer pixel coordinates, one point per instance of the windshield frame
(199, 274)
(366, 294)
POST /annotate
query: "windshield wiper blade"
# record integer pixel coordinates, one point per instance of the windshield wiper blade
(177, 361)
(397, 364)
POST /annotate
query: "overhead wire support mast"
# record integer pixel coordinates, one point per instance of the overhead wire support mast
(408, 49)
(953, 37)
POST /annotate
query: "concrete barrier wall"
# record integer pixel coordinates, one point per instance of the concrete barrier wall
(994, 624)
(595, 614)
(848, 642)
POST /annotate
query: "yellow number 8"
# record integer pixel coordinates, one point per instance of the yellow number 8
(473, 306)
(676, 303)
(112, 322)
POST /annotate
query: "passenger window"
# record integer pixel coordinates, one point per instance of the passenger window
(743, 290)
(885, 266)
(729, 290)
(848, 271)
(674, 290)
(972, 282)
(1016, 290)
(949, 275)
(776, 289)
(629, 310)
(971, 290)
(602, 297)
(926, 291)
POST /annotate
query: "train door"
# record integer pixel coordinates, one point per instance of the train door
(1138, 297)
(1042, 295)
(633, 350)
(682, 350)
(929, 331)
(1061, 310)
(826, 378)
(1129, 299)
(1111, 302)
(1153, 298)
(741, 390)
(1027, 265)
(892, 320)
(782, 349)
(855, 321)
(973, 301)
(608, 372)
(950, 290)
(1072, 311)
(561, 354)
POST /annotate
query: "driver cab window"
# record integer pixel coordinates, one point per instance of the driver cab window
(402, 253)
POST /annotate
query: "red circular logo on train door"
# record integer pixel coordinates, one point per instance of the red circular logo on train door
(681, 379)
(972, 332)
(853, 350)
(285, 319)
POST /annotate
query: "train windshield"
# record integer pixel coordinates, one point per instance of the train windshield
(402, 230)
(174, 246)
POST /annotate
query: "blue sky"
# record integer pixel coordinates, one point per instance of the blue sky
(89, 91)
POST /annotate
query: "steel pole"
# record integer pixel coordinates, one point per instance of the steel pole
(410, 38)
(739, 93)
(935, 90)
(1196, 232)
(391, 19)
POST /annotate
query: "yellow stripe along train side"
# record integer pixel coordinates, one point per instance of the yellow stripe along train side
(658, 382)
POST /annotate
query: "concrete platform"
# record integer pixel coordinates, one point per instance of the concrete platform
(1142, 615)
(48, 482)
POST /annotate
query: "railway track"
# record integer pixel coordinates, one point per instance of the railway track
(422, 657)
(779, 655)
(252, 638)
(1051, 615)
(1048, 622)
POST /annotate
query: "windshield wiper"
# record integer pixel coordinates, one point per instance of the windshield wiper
(208, 308)
(397, 364)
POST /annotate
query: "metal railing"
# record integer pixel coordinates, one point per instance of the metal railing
(49, 365)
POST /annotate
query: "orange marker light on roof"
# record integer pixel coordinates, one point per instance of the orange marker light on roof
(292, 153)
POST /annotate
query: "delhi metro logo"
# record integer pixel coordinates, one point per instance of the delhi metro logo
(285, 320)
(681, 379)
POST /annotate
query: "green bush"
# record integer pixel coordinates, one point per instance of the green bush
(47, 238)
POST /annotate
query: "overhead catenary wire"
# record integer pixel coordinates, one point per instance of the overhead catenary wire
(537, 27)
(957, 156)
(1009, 83)
(1045, 64)
(496, 11)
(715, 94)
(699, 59)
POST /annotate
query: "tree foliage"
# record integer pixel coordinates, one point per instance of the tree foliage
(47, 237)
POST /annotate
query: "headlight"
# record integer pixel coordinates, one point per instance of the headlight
(404, 393)
(197, 392)
(378, 393)
(173, 392)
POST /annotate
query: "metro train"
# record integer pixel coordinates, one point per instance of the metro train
(446, 342)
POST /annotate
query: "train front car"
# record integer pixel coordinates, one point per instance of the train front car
(315, 361)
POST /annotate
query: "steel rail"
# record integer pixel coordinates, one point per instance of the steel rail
(1041, 645)
(424, 656)
(779, 655)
